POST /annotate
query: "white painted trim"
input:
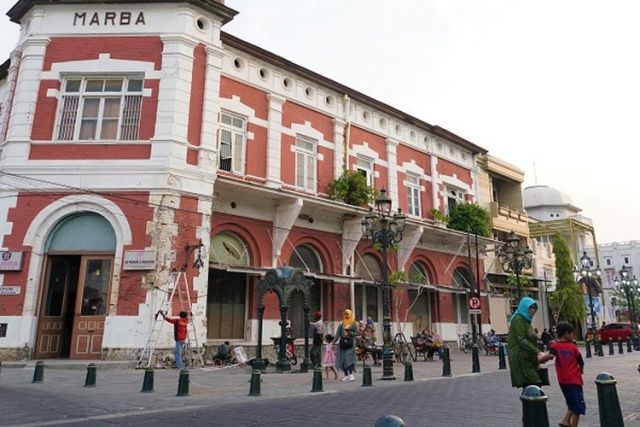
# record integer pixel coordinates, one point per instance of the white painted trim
(104, 64)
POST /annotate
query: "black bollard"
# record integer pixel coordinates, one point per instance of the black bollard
(608, 403)
(629, 349)
(534, 407)
(597, 348)
(620, 348)
(317, 380)
(389, 421)
(147, 382)
(408, 371)
(502, 363)
(636, 343)
(38, 373)
(587, 346)
(446, 363)
(183, 383)
(254, 388)
(475, 359)
(611, 350)
(90, 380)
(366, 376)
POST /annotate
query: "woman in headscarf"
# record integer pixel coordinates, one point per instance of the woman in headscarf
(345, 337)
(522, 343)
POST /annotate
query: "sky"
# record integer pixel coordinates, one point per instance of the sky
(552, 87)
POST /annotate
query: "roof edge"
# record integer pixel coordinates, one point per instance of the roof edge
(4, 69)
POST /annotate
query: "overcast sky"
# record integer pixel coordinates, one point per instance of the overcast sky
(550, 83)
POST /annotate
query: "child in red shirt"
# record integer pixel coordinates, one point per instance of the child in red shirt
(569, 367)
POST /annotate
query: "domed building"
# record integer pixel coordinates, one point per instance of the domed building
(545, 203)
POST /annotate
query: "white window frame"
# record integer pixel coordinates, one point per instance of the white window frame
(83, 95)
(454, 193)
(412, 182)
(306, 154)
(365, 164)
(235, 132)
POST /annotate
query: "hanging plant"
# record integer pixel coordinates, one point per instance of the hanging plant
(352, 188)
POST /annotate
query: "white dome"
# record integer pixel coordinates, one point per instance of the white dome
(543, 195)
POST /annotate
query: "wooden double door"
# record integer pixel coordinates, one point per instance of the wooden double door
(73, 306)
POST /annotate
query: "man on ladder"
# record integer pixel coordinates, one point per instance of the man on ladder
(179, 333)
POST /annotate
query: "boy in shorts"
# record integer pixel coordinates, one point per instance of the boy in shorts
(569, 367)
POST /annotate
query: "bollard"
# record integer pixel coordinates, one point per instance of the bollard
(611, 350)
(629, 349)
(147, 382)
(502, 363)
(317, 380)
(534, 407)
(636, 343)
(38, 373)
(408, 371)
(366, 376)
(475, 359)
(597, 348)
(254, 388)
(620, 348)
(183, 383)
(587, 346)
(90, 379)
(608, 403)
(389, 421)
(446, 363)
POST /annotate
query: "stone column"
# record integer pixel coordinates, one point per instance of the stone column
(274, 140)
(392, 160)
(339, 152)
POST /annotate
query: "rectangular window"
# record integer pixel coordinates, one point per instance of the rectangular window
(306, 159)
(105, 109)
(413, 194)
(626, 260)
(232, 143)
(608, 261)
(454, 196)
(364, 166)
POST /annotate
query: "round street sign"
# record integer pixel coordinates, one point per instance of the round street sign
(474, 303)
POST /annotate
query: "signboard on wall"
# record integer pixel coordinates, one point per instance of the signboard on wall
(10, 261)
(140, 260)
(9, 290)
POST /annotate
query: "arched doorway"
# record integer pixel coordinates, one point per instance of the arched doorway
(76, 287)
(461, 283)
(227, 290)
(420, 297)
(367, 293)
(306, 259)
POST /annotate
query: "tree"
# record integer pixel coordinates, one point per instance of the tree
(567, 300)
(470, 217)
(352, 188)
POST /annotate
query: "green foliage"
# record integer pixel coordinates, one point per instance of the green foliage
(512, 280)
(352, 188)
(397, 277)
(566, 301)
(620, 299)
(439, 216)
(391, 248)
(470, 217)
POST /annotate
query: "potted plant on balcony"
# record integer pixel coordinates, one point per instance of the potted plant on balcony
(470, 217)
(439, 219)
(352, 188)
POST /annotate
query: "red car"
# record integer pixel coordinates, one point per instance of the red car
(615, 331)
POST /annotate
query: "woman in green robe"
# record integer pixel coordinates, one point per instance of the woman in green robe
(522, 343)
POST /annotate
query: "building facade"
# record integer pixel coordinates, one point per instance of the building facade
(139, 137)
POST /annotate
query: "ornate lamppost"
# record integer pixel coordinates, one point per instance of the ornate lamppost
(590, 278)
(384, 229)
(514, 259)
(630, 287)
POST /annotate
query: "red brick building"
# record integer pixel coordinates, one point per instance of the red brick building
(130, 132)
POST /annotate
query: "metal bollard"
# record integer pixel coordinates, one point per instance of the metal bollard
(608, 403)
(475, 359)
(183, 383)
(534, 407)
(317, 380)
(629, 349)
(620, 348)
(502, 363)
(587, 346)
(90, 379)
(446, 363)
(147, 382)
(408, 371)
(611, 350)
(38, 373)
(597, 348)
(366, 376)
(389, 421)
(254, 388)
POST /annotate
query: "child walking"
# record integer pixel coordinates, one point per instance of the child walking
(329, 357)
(569, 367)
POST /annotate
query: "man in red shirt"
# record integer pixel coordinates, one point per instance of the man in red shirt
(179, 334)
(569, 367)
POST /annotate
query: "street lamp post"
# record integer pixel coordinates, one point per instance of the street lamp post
(515, 259)
(589, 277)
(384, 229)
(630, 287)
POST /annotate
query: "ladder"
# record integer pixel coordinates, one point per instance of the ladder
(176, 284)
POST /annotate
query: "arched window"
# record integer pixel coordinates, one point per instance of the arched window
(228, 249)
(305, 258)
(461, 281)
(420, 298)
(368, 296)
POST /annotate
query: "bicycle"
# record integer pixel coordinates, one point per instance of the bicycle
(403, 349)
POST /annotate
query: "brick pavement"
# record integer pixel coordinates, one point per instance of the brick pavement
(220, 397)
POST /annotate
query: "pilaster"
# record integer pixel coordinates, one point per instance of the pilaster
(274, 141)
(211, 110)
(435, 179)
(392, 160)
(339, 142)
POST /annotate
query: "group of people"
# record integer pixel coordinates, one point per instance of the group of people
(525, 358)
(428, 342)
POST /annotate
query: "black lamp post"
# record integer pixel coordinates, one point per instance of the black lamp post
(515, 259)
(384, 228)
(590, 277)
(630, 287)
